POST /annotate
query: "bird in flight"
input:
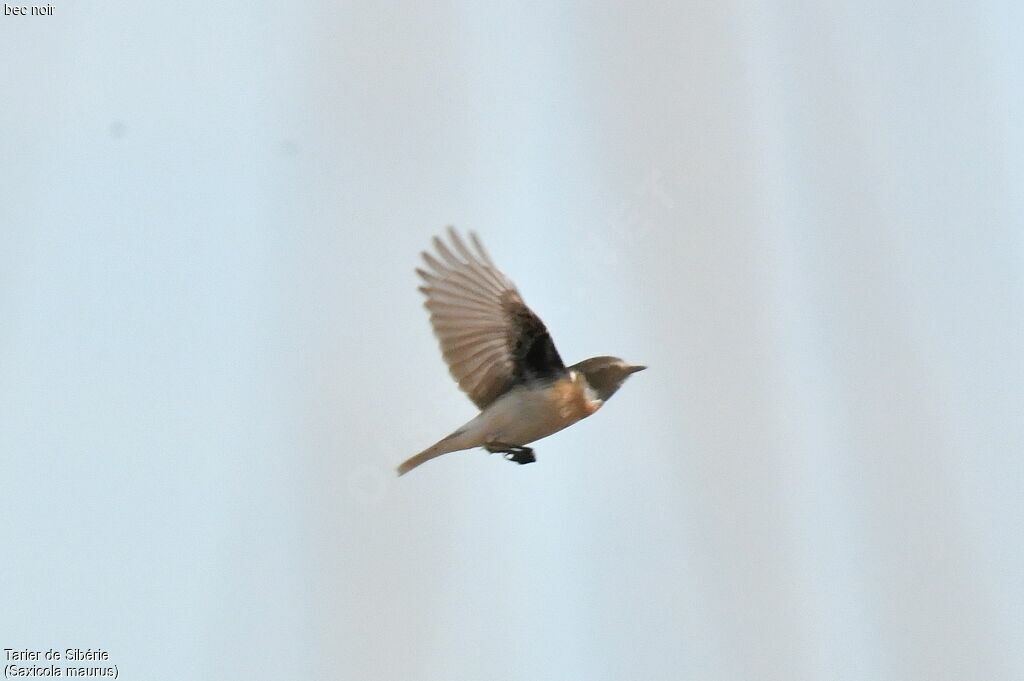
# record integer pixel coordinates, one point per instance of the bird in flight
(501, 355)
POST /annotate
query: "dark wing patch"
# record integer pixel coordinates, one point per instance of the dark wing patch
(534, 355)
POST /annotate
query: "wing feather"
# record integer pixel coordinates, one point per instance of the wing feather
(489, 338)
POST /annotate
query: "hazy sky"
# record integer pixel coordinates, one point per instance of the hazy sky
(806, 220)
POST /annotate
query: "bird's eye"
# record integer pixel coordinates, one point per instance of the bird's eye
(572, 376)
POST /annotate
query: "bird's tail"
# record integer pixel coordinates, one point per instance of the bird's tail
(448, 444)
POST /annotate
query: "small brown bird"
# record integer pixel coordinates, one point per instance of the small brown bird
(502, 356)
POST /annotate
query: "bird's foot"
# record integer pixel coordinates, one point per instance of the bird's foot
(517, 453)
(520, 455)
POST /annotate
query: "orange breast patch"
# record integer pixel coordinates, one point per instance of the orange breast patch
(570, 397)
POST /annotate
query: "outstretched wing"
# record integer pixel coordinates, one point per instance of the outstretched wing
(490, 339)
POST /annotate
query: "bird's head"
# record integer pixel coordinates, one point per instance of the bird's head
(605, 375)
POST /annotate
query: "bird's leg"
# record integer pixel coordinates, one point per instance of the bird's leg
(517, 453)
(521, 455)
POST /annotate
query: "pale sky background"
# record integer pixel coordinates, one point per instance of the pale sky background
(807, 219)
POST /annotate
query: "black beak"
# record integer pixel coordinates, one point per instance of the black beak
(638, 367)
